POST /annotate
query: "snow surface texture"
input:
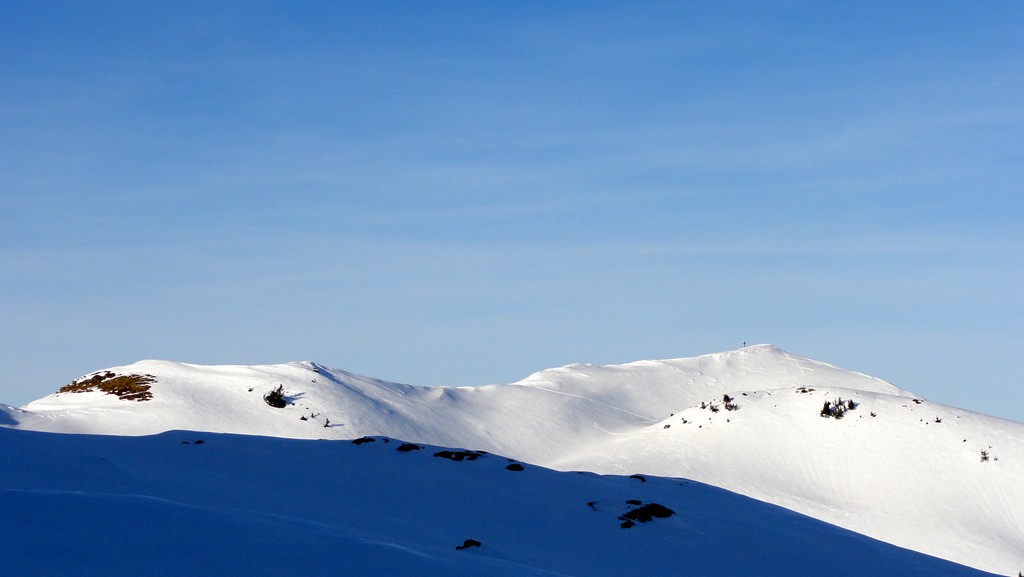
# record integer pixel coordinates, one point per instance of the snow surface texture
(928, 477)
(191, 503)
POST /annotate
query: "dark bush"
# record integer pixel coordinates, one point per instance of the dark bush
(459, 455)
(643, 513)
(837, 409)
(648, 512)
(275, 398)
(467, 544)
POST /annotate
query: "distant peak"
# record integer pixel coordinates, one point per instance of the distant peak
(764, 349)
(760, 347)
(746, 350)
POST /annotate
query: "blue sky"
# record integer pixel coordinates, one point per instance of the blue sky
(465, 193)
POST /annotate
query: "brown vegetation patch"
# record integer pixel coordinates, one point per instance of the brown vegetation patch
(126, 387)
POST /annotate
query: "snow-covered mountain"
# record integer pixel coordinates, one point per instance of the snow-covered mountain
(188, 503)
(881, 461)
(195, 503)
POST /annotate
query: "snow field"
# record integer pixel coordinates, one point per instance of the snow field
(247, 505)
(911, 475)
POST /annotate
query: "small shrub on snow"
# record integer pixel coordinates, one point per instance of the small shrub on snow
(643, 513)
(836, 409)
(460, 455)
(275, 398)
(467, 544)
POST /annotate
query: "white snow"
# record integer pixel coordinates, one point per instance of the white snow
(166, 505)
(900, 476)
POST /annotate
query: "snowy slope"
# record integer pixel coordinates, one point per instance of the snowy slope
(899, 476)
(168, 505)
(912, 474)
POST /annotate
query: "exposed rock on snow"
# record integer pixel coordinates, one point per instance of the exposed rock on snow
(125, 387)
